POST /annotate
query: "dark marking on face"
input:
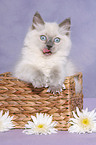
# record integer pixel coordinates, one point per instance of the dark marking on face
(49, 44)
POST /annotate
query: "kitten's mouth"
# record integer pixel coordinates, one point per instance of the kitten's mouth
(47, 51)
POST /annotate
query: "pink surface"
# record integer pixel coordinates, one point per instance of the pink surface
(16, 137)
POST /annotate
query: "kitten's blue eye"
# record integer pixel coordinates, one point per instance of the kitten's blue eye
(43, 37)
(57, 40)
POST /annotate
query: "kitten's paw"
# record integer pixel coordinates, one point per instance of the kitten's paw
(39, 80)
(55, 89)
(63, 87)
(38, 83)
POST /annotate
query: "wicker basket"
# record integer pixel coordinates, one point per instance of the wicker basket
(23, 100)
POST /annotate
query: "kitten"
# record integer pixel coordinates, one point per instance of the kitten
(44, 61)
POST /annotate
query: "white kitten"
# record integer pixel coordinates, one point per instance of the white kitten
(45, 54)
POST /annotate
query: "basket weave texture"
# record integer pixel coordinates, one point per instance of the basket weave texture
(23, 100)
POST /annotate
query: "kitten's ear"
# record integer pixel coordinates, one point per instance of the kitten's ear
(37, 19)
(66, 24)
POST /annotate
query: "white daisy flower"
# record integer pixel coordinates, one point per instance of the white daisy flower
(83, 122)
(42, 124)
(5, 121)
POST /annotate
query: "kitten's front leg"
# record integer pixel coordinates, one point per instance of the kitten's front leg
(56, 80)
(38, 79)
(29, 73)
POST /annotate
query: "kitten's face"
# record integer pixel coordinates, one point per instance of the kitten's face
(49, 44)
(51, 38)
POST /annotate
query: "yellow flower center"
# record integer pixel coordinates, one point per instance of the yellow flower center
(85, 121)
(40, 126)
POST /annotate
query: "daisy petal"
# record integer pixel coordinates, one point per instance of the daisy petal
(34, 119)
(74, 115)
(85, 122)
(5, 121)
(78, 112)
(41, 124)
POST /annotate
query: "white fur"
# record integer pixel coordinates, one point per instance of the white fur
(32, 56)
